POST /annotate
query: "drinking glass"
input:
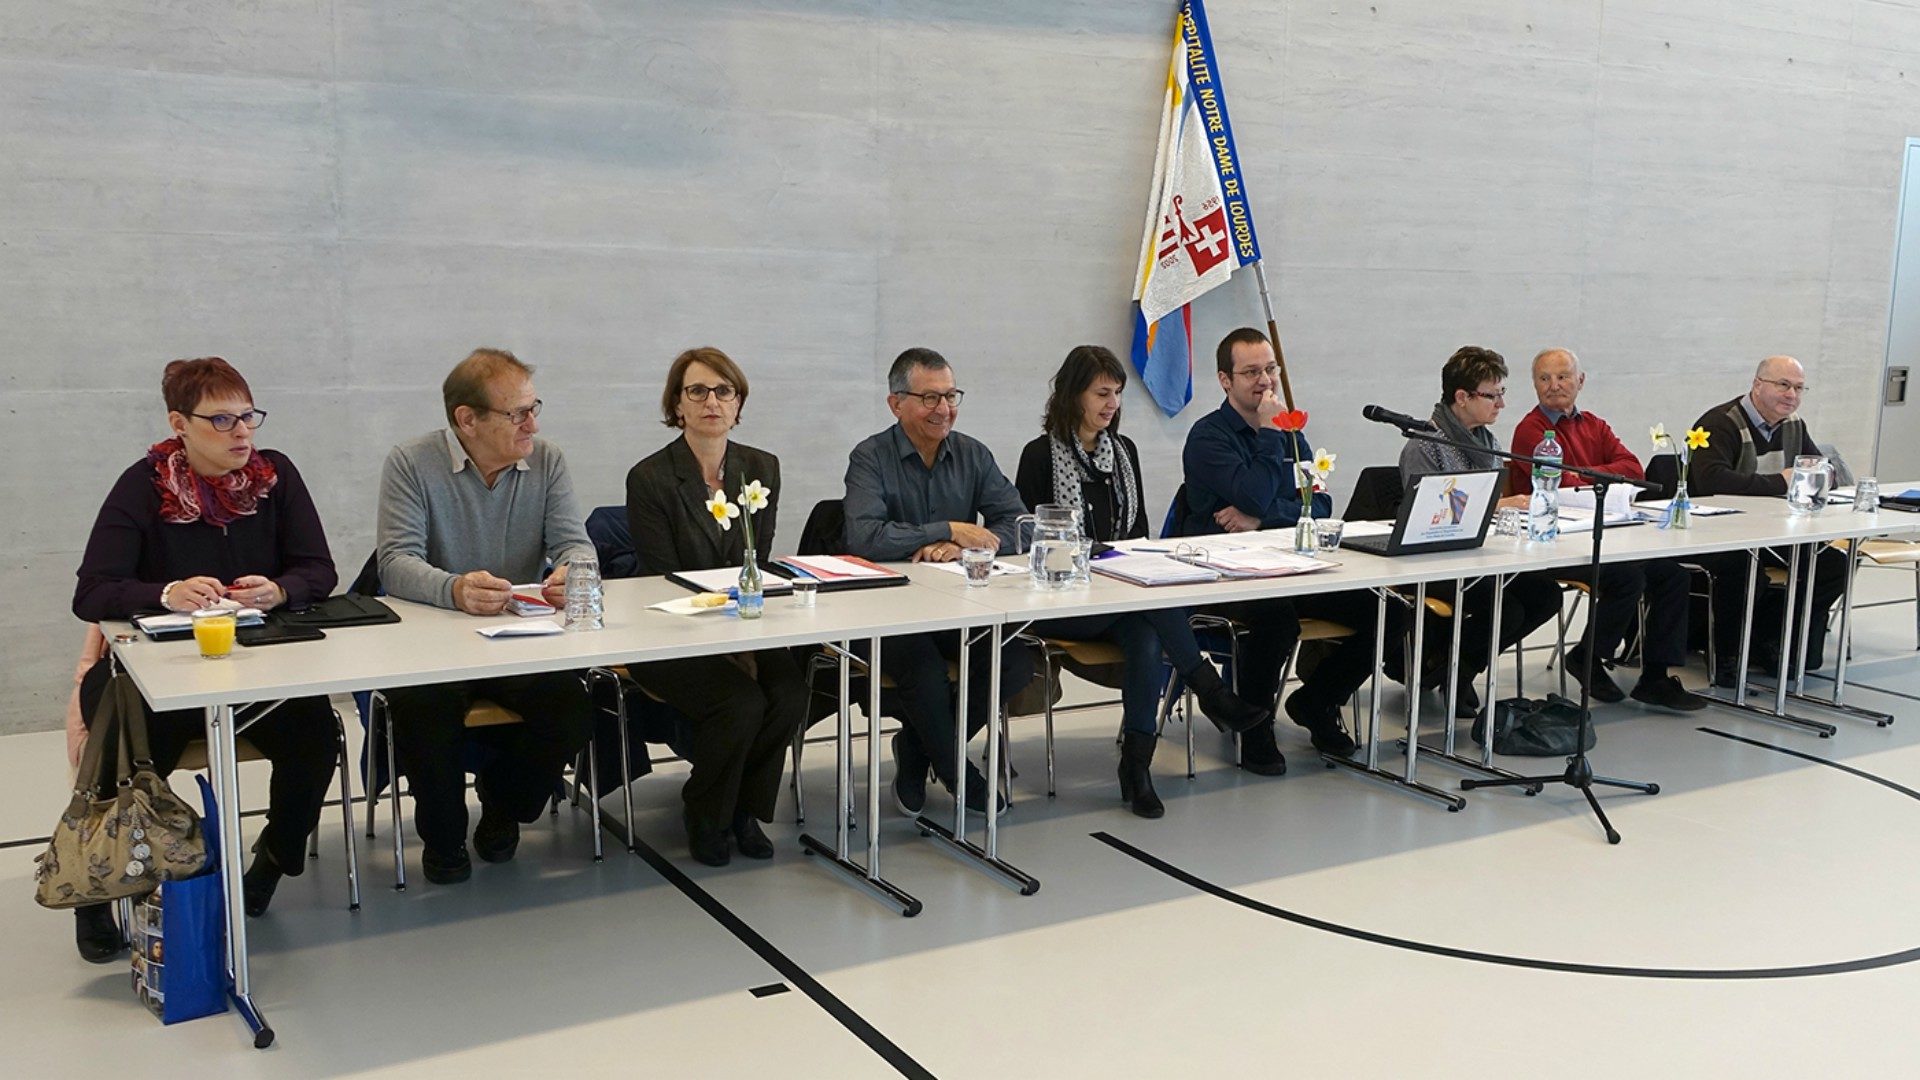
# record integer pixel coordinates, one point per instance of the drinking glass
(213, 631)
(978, 563)
(1327, 533)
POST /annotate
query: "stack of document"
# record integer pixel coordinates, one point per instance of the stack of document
(1149, 569)
(1247, 562)
(836, 572)
(162, 625)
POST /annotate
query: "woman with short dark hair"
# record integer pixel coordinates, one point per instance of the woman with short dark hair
(742, 708)
(1083, 461)
(205, 517)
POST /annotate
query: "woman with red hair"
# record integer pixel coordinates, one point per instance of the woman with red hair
(206, 516)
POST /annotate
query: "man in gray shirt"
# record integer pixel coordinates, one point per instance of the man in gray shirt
(465, 512)
(916, 491)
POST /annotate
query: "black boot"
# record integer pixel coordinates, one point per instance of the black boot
(1228, 710)
(1259, 754)
(259, 882)
(97, 935)
(1136, 774)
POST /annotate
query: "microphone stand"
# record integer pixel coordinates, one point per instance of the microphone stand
(1579, 773)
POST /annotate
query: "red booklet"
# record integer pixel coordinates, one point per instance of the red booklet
(837, 572)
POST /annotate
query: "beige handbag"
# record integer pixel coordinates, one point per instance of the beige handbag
(123, 834)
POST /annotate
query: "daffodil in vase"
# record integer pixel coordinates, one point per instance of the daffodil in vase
(749, 592)
(1679, 508)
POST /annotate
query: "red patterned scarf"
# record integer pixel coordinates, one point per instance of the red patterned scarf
(186, 496)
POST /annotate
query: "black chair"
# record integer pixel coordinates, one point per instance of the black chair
(1377, 492)
(1663, 472)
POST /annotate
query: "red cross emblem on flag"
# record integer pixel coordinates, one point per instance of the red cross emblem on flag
(1205, 240)
(1207, 246)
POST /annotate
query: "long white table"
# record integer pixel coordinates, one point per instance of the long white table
(433, 645)
(1760, 523)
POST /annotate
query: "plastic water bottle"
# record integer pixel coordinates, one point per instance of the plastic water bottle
(585, 608)
(1543, 509)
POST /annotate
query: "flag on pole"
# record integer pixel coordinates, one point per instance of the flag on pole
(1199, 224)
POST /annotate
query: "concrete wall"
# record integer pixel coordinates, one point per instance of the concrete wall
(343, 196)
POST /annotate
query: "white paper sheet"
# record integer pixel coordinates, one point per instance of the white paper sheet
(528, 628)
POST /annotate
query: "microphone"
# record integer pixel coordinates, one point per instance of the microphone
(1400, 420)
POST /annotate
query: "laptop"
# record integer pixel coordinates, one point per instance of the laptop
(1438, 512)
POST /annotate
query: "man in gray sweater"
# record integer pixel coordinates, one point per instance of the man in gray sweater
(465, 512)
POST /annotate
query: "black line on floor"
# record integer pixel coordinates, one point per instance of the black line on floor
(1906, 956)
(768, 990)
(1853, 684)
(901, 1061)
(1881, 780)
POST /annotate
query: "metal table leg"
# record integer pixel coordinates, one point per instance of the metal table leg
(1845, 638)
(838, 858)
(1370, 767)
(955, 840)
(1799, 693)
(1738, 702)
(1445, 752)
(226, 792)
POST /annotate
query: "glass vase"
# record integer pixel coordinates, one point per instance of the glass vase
(749, 595)
(1682, 507)
(1303, 539)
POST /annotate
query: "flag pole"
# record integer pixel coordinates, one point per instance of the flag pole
(1273, 332)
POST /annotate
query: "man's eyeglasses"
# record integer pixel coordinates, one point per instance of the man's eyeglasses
(253, 418)
(699, 391)
(1271, 371)
(1489, 395)
(518, 416)
(1786, 387)
(932, 400)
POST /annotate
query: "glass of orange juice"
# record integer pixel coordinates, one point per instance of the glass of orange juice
(213, 630)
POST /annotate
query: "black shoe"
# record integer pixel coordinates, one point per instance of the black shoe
(96, 934)
(747, 836)
(1466, 701)
(1602, 689)
(1228, 710)
(259, 882)
(1666, 692)
(1259, 754)
(1136, 774)
(1329, 734)
(707, 842)
(909, 776)
(497, 836)
(446, 868)
(977, 792)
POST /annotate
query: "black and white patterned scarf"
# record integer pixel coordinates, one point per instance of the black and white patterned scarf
(1072, 465)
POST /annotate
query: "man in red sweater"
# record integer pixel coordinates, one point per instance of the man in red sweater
(1587, 440)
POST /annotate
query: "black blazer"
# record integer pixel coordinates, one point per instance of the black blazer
(667, 509)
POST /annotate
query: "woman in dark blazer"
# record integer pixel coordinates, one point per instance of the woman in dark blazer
(745, 707)
(206, 516)
(1082, 460)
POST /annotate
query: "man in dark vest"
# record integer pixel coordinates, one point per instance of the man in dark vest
(1751, 443)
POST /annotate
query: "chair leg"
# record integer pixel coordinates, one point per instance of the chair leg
(1560, 645)
(799, 789)
(385, 722)
(593, 796)
(1713, 662)
(1047, 658)
(370, 752)
(346, 815)
(626, 755)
